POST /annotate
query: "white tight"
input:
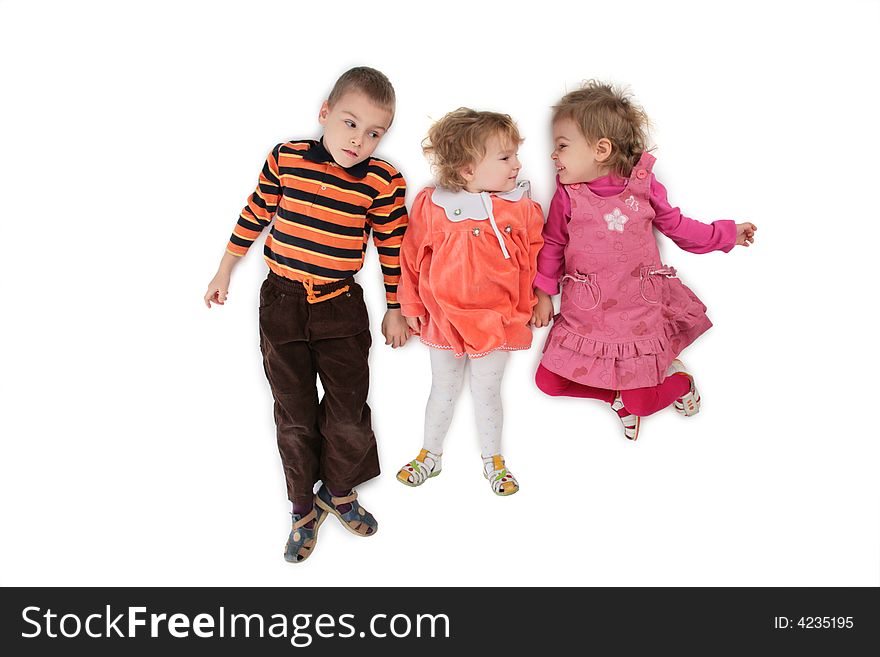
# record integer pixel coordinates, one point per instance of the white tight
(447, 375)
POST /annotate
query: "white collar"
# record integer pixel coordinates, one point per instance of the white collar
(463, 205)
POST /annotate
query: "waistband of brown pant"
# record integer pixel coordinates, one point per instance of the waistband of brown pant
(313, 292)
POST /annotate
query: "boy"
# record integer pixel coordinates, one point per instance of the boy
(325, 197)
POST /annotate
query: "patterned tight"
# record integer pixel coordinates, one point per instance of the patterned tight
(447, 376)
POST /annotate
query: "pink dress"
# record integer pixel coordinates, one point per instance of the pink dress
(624, 315)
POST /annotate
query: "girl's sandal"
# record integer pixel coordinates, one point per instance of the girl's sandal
(629, 421)
(302, 540)
(357, 519)
(688, 404)
(415, 473)
(500, 478)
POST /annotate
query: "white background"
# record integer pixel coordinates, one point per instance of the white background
(138, 444)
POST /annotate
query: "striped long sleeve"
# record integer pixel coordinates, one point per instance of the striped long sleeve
(260, 208)
(323, 215)
(388, 219)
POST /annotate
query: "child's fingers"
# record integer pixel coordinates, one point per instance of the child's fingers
(215, 297)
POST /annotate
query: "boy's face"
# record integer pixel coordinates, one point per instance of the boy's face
(498, 169)
(353, 128)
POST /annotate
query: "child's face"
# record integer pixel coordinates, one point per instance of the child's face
(498, 169)
(576, 159)
(353, 128)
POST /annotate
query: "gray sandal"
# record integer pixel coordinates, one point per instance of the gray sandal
(357, 519)
(302, 540)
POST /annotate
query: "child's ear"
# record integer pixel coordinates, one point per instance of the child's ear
(467, 172)
(603, 149)
(325, 111)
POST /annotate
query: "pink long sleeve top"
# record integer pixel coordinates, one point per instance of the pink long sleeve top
(689, 234)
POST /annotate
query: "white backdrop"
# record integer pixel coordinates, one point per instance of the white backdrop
(138, 445)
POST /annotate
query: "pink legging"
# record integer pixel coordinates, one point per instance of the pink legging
(638, 401)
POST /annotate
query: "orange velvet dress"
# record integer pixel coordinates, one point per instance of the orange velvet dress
(468, 265)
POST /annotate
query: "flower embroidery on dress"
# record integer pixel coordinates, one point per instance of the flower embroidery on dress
(615, 220)
(632, 202)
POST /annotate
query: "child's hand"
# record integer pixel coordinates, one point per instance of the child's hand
(415, 324)
(394, 328)
(745, 233)
(543, 312)
(218, 289)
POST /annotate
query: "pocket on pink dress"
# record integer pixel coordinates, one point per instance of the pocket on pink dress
(581, 290)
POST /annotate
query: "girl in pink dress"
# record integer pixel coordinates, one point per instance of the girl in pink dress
(624, 315)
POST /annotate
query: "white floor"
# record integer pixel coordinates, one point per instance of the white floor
(137, 436)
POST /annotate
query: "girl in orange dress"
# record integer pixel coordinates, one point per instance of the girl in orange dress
(468, 264)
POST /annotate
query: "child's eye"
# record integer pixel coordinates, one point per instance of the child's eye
(374, 135)
(350, 123)
(561, 146)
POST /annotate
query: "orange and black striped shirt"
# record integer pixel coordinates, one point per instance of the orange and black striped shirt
(324, 214)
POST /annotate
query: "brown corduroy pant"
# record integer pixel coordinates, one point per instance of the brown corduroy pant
(331, 440)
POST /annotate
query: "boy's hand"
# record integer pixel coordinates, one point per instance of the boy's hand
(394, 328)
(415, 324)
(218, 289)
(543, 312)
(745, 233)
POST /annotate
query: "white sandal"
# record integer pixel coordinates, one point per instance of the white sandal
(688, 404)
(629, 421)
(500, 478)
(416, 472)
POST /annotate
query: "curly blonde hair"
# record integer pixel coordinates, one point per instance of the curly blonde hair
(602, 110)
(459, 139)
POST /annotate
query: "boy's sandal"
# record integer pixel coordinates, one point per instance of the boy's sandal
(629, 421)
(500, 478)
(357, 519)
(302, 540)
(416, 472)
(688, 404)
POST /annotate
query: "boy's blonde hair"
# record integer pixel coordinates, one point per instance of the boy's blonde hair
(370, 82)
(459, 139)
(601, 110)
